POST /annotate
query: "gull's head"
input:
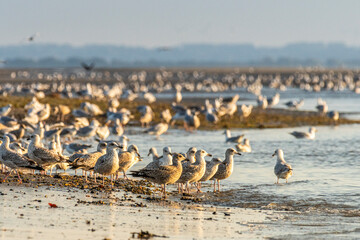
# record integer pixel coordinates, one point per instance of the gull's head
(216, 161)
(167, 151)
(278, 152)
(178, 157)
(151, 151)
(312, 130)
(113, 145)
(202, 153)
(246, 141)
(124, 138)
(231, 152)
(191, 151)
(35, 138)
(101, 146)
(133, 148)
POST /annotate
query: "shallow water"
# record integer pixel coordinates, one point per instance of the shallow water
(323, 192)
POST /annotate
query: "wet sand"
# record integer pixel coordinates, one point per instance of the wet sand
(92, 211)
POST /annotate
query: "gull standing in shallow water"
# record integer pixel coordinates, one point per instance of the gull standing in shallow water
(236, 139)
(282, 169)
(245, 147)
(308, 135)
(211, 168)
(226, 168)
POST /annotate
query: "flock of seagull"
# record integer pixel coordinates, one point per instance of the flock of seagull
(23, 146)
(33, 143)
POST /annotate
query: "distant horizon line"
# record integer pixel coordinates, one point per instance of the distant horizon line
(183, 44)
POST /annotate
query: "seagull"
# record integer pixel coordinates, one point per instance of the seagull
(322, 106)
(118, 128)
(155, 159)
(163, 174)
(194, 172)
(166, 158)
(88, 161)
(262, 102)
(128, 158)
(226, 167)
(282, 169)
(308, 135)
(14, 160)
(272, 101)
(228, 108)
(31, 38)
(191, 121)
(295, 104)
(88, 131)
(157, 129)
(236, 139)
(211, 168)
(245, 147)
(334, 115)
(108, 164)
(75, 147)
(88, 67)
(211, 117)
(166, 115)
(42, 156)
(245, 110)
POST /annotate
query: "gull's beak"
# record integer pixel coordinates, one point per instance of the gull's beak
(138, 154)
(209, 155)
(273, 154)
(149, 153)
(238, 153)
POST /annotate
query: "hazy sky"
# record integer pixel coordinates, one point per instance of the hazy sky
(153, 23)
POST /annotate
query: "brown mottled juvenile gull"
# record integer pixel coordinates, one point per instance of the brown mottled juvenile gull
(226, 168)
(88, 131)
(42, 156)
(211, 169)
(14, 160)
(128, 158)
(108, 163)
(163, 174)
(88, 161)
(282, 169)
(75, 147)
(194, 172)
